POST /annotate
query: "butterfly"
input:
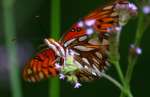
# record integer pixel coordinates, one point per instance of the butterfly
(82, 54)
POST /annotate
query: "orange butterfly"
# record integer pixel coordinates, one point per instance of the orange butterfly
(82, 53)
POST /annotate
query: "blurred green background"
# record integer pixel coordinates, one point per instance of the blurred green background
(32, 26)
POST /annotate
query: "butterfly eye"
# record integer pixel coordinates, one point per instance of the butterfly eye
(73, 30)
(77, 29)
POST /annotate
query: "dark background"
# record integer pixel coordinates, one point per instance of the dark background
(32, 24)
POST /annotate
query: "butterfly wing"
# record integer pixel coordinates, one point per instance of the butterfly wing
(89, 40)
(90, 56)
(41, 66)
(102, 20)
(90, 50)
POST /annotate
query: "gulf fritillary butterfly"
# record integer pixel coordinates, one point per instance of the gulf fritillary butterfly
(82, 53)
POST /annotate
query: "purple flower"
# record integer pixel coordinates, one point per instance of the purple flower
(77, 85)
(61, 76)
(90, 22)
(138, 50)
(135, 50)
(129, 8)
(57, 66)
(146, 9)
(80, 24)
(132, 6)
(89, 31)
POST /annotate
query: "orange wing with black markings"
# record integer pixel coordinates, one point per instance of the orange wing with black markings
(41, 66)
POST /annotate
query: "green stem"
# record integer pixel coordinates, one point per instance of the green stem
(10, 33)
(114, 59)
(140, 30)
(55, 19)
(55, 29)
(132, 60)
(114, 54)
(116, 83)
(54, 87)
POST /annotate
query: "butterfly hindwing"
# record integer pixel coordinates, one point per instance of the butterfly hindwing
(41, 66)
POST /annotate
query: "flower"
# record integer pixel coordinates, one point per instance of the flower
(125, 11)
(61, 76)
(77, 85)
(134, 50)
(138, 50)
(80, 24)
(90, 22)
(146, 9)
(132, 7)
(89, 31)
(57, 66)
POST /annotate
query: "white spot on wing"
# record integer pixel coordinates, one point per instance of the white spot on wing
(95, 60)
(52, 46)
(76, 53)
(78, 64)
(114, 14)
(68, 42)
(99, 55)
(94, 41)
(82, 38)
(107, 7)
(97, 70)
(86, 67)
(59, 47)
(83, 48)
(94, 73)
(86, 60)
(41, 75)
(29, 71)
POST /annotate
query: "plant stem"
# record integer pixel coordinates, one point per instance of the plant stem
(140, 29)
(55, 19)
(55, 29)
(114, 59)
(10, 33)
(114, 54)
(112, 80)
(132, 59)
